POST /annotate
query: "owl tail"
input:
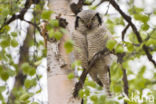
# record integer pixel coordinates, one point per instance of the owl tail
(105, 79)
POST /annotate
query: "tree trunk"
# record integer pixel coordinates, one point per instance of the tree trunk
(24, 57)
(60, 88)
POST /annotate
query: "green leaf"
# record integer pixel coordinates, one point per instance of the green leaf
(93, 7)
(94, 98)
(5, 43)
(120, 21)
(87, 92)
(11, 72)
(145, 27)
(102, 98)
(81, 93)
(2, 88)
(14, 34)
(69, 46)
(70, 76)
(32, 71)
(76, 63)
(117, 88)
(4, 75)
(51, 33)
(5, 11)
(14, 43)
(90, 83)
(5, 28)
(26, 68)
(119, 49)
(125, 64)
(62, 30)
(142, 18)
(24, 97)
(151, 42)
(29, 83)
(110, 44)
(37, 63)
(129, 46)
(1, 97)
(39, 91)
(135, 10)
(55, 23)
(46, 14)
(58, 35)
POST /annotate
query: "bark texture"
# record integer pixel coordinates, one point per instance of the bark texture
(60, 88)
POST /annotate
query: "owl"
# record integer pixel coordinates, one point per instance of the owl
(90, 36)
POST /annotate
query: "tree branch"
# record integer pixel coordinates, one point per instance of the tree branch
(125, 81)
(76, 8)
(105, 52)
(124, 78)
(83, 76)
(24, 57)
(128, 19)
(35, 25)
(21, 14)
(124, 32)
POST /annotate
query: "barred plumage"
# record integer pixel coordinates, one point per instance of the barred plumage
(89, 38)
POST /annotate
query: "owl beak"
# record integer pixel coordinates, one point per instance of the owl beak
(89, 26)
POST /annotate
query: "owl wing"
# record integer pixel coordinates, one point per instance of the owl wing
(80, 51)
(96, 42)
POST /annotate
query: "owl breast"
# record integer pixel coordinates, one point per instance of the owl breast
(96, 41)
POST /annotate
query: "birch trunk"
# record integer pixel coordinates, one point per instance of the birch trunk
(59, 86)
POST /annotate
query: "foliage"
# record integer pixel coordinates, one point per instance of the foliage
(10, 35)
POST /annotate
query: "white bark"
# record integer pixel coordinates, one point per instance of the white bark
(60, 88)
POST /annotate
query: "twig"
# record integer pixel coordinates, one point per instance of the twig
(124, 78)
(124, 32)
(35, 25)
(107, 8)
(149, 35)
(99, 3)
(125, 81)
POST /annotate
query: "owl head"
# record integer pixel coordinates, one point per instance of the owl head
(87, 20)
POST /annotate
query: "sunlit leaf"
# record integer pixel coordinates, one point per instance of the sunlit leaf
(81, 93)
(71, 76)
(69, 46)
(119, 48)
(14, 43)
(110, 44)
(26, 68)
(58, 35)
(32, 71)
(55, 23)
(46, 14)
(24, 97)
(4, 75)
(94, 98)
